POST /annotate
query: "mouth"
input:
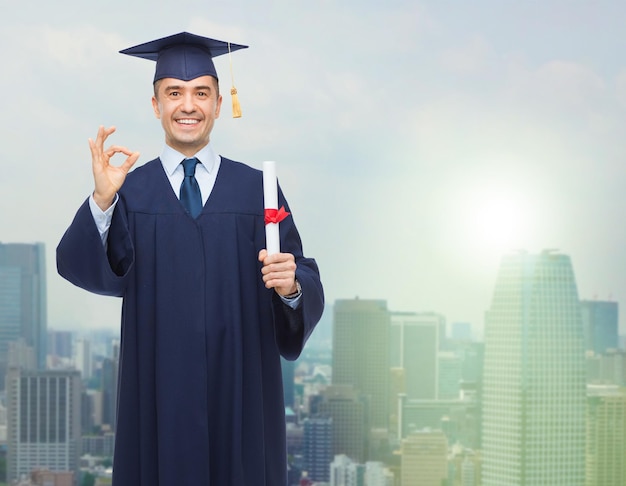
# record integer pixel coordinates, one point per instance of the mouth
(187, 121)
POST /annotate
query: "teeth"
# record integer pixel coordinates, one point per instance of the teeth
(187, 121)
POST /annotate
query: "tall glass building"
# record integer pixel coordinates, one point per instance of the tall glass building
(534, 376)
(361, 353)
(23, 308)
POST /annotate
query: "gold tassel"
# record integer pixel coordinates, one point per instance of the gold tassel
(233, 90)
(236, 105)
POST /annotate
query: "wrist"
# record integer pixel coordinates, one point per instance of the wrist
(296, 293)
(103, 202)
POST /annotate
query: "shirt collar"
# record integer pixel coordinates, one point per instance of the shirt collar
(171, 158)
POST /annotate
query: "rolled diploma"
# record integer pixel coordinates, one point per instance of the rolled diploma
(270, 196)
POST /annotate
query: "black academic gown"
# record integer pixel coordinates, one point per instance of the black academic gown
(200, 391)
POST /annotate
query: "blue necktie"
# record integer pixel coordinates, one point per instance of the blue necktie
(190, 190)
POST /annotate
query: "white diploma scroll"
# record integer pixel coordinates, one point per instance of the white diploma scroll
(270, 195)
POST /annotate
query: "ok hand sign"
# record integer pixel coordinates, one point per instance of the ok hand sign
(108, 178)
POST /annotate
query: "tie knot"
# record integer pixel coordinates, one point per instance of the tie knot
(189, 165)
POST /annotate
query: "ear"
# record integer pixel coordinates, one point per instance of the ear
(155, 107)
(218, 106)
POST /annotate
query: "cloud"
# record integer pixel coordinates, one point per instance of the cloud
(469, 58)
(559, 86)
(620, 88)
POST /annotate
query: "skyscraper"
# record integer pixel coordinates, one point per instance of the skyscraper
(606, 435)
(43, 421)
(22, 300)
(600, 324)
(534, 377)
(415, 342)
(361, 352)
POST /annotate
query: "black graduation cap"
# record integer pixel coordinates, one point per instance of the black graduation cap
(185, 56)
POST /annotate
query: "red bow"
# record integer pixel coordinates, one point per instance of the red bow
(275, 215)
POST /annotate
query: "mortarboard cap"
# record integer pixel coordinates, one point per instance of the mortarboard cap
(183, 56)
(186, 56)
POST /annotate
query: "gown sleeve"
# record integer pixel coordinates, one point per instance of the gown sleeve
(294, 326)
(83, 260)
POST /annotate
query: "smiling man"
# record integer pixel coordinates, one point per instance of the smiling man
(206, 312)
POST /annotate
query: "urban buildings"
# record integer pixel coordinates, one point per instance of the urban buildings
(600, 324)
(606, 436)
(415, 343)
(43, 409)
(348, 411)
(361, 353)
(424, 459)
(534, 377)
(345, 472)
(317, 447)
(83, 360)
(22, 300)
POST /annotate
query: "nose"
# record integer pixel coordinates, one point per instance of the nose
(188, 103)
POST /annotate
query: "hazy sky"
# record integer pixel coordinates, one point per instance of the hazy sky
(416, 141)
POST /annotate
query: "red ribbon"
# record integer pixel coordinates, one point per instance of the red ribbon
(275, 215)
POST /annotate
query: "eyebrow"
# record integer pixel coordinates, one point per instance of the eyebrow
(195, 88)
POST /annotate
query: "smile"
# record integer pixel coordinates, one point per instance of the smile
(187, 121)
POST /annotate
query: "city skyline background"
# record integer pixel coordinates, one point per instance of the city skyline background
(417, 142)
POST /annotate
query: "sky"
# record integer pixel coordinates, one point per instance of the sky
(416, 141)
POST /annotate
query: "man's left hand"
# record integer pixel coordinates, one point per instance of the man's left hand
(279, 272)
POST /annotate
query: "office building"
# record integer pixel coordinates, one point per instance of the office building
(458, 418)
(424, 459)
(317, 447)
(606, 435)
(60, 343)
(43, 421)
(415, 344)
(600, 324)
(534, 378)
(23, 305)
(361, 353)
(21, 355)
(464, 467)
(82, 358)
(450, 374)
(346, 472)
(377, 474)
(348, 411)
(607, 369)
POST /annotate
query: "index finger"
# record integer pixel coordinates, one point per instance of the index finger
(103, 134)
(118, 149)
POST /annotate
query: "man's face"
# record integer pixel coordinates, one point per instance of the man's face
(187, 110)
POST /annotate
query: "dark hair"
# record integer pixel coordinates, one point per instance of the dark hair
(158, 82)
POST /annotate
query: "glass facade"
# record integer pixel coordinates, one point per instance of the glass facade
(534, 375)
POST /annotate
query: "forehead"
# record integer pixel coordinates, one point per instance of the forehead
(201, 82)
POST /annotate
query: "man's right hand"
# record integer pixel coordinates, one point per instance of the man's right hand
(108, 178)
